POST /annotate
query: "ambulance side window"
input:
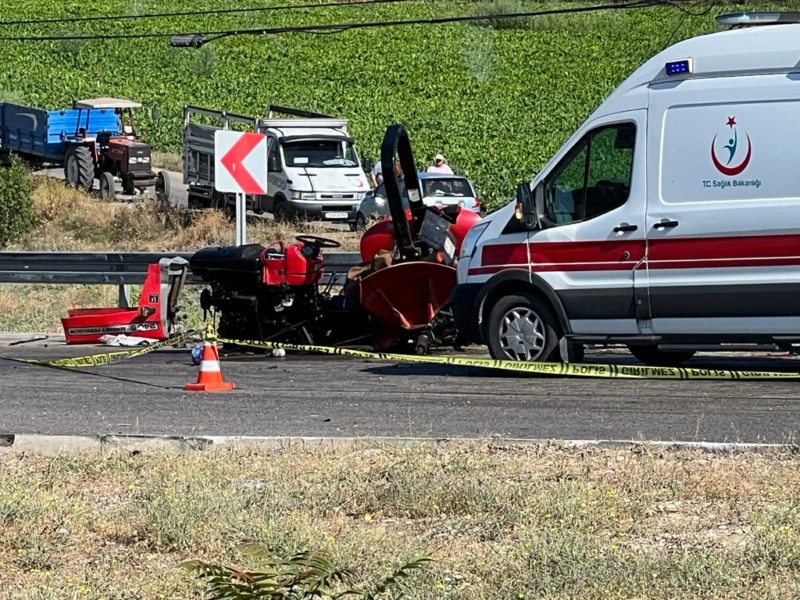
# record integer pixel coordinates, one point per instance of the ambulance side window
(594, 177)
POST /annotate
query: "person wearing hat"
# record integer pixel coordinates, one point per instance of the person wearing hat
(377, 173)
(440, 166)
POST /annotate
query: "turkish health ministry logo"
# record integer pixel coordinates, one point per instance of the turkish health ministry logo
(727, 158)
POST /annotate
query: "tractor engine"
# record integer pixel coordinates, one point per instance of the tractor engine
(263, 292)
(128, 159)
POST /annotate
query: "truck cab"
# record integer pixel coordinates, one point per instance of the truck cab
(313, 169)
(665, 222)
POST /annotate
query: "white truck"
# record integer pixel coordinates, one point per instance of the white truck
(667, 222)
(313, 169)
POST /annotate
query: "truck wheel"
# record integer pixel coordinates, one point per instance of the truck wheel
(196, 203)
(282, 212)
(653, 355)
(79, 168)
(162, 186)
(219, 201)
(522, 327)
(107, 186)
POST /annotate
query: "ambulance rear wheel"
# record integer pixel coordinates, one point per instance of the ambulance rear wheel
(523, 327)
(655, 356)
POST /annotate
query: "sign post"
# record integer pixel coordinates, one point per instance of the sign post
(241, 222)
(240, 162)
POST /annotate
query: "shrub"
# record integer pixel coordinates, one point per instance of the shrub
(304, 575)
(16, 202)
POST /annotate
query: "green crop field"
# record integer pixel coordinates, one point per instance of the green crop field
(497, 97)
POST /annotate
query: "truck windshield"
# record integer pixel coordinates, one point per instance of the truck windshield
(446, 186)
(320, 153)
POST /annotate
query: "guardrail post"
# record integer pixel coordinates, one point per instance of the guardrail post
(124, 295)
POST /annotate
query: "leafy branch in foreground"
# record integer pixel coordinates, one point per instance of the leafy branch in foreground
(300, 576)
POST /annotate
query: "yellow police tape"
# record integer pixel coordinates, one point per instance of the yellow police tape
(543, 368)
(104, 358)
(538, 368)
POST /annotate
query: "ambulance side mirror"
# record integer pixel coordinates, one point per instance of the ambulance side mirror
(526, 207)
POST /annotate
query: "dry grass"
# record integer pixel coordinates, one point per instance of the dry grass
(39, 308)
(501, 522)
(73, 221)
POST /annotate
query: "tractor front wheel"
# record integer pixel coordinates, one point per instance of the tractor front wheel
(128, 185)
(107, 186)
(162, 186)
(79, 168)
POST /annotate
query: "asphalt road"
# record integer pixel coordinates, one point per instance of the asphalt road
(326, 396)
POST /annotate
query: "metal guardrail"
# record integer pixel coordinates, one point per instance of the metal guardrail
(113, 268)
(116, 268)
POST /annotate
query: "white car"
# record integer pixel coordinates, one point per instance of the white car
(437, 190)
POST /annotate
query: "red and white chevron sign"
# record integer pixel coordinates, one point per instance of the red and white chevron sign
(240, 162)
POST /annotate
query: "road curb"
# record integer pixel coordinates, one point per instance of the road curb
(51, 445)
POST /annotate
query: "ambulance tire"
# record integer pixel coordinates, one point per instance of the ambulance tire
(523, 327)
(652, 355)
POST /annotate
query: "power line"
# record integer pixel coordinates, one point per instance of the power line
(196, 13)
(682, 18)
(208, 36)
(686, 11)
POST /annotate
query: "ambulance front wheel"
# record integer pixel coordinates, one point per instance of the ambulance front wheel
(653, 355)
(523, 327)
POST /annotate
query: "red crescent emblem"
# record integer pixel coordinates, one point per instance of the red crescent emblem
(735, 170)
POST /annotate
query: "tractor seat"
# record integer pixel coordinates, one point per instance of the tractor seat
(227, 260)
(103, 138)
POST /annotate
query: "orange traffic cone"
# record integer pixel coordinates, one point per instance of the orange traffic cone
(210, 377)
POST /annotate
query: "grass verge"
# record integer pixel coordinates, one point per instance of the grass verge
(501, 522)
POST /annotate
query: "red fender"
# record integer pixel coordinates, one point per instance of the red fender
(405, 297)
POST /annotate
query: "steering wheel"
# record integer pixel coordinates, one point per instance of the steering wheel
(319, 242)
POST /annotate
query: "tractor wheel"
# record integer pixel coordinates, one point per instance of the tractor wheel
(162, 186)
(652, 355)
(522, 327)
(107, 187)
(128, 185)
(79, 168)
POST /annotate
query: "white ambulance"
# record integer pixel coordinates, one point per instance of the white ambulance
(670, 220)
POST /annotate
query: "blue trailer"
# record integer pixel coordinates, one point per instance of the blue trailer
(48, 135)
(93, 139)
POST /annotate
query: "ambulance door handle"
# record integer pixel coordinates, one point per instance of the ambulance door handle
(625, 228)
(665, 223)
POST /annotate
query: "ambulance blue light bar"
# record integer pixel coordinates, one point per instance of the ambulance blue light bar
(679, 67)
(745, 19)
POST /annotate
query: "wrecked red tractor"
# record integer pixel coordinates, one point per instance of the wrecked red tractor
(155, 317)
(396, 299)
